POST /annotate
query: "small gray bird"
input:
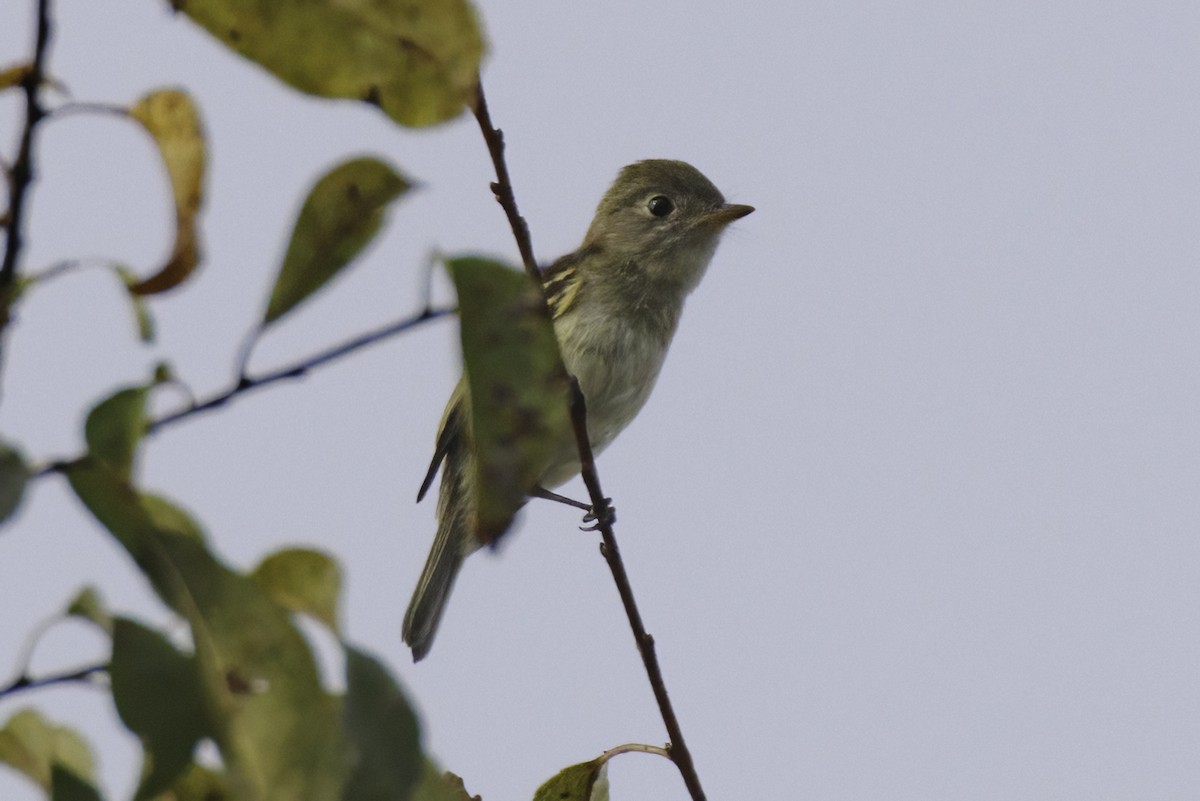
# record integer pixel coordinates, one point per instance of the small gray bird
(615, 303)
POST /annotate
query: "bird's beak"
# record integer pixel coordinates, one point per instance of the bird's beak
(727, 214)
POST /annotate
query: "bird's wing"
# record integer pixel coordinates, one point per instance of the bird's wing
(454, 420)
(562, 281)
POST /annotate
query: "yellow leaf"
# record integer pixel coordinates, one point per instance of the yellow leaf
(418, 60)
(172, 119)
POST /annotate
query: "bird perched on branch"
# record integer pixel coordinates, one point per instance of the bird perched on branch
(615, 303)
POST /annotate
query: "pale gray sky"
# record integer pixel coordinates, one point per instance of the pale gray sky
(913, 511)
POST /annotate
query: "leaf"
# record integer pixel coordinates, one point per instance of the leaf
(418, 60)
(198, 783)
(67, 786)
(159, 697)
(171, 118)
(89, 606)
(382, 733)
(114, 428)
(303, 580)
(14, 76)
(587, 781)
(441, 786)
(33, 746)
(517, 385)
(277, 729)
(341, 215)
(14, 475)
(141, 309)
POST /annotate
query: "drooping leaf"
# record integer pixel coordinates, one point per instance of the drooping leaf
(33, 746)
(66, 785)
(141, 309)
(159, 696)
(276, 727)
(587, 781)
(341, 215)
(516, 382)
(14, 475)
(418, 60)
(303, 580)
(382, 733)
(88, 605)
(438, 785)
(114, 428)
(170, 116)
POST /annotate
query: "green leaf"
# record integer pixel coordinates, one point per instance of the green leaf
(14, 475)
(67, 786)
(115, 426)
(587, 781)
(198, 784)
(382, 731)
(33, 746)
(171, 118)
(341, 215)
(303, 580)
(418, 60)
(276, 727)
(89, 606)
(516, 382)
(437, 785)
(159, 696)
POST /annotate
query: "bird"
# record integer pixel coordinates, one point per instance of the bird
(615, 304)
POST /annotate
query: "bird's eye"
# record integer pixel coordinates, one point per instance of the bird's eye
(660, 206)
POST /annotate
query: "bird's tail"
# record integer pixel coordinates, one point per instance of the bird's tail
(454, 541)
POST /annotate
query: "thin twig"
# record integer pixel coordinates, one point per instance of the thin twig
(21, 174)
(503, 191)
(297, 369)
(23, 682)
(677, 747)
(502, 188)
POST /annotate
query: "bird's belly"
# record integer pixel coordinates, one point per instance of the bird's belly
(616, 372)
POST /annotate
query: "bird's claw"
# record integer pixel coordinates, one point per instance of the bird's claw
(607, 515)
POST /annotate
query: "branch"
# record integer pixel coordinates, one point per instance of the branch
(297, 369)
(502, 189)
(23, 682)
(502, 186)
(677, 748)
(20, 176)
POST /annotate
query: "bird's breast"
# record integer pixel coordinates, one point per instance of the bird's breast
(616, 362)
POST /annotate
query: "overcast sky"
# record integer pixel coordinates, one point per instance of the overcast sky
(913, 511)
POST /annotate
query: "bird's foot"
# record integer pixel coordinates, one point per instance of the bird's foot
(606, 515)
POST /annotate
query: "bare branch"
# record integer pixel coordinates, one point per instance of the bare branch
(22, 172)
(503, 191)
(20, 175)
(24, 682)
(502, 188)
(246, 383)
(677, 748)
